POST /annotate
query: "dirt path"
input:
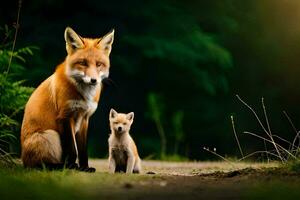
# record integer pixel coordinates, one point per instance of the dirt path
(159, 180)
(186, 168)
(198, 180)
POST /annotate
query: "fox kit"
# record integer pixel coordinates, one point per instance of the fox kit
(56, 117)
(123, 154)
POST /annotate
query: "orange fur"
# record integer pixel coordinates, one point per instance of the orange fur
(59, 108)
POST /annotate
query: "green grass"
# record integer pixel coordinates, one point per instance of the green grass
(20, 183)
(276, 190)
(174, 180)
(293, 166)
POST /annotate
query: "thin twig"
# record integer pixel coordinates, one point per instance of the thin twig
(268, 125)
(290, 121)
(294, 128)
(289, 153)
(266, 116)
(15, 37)
(256, 152)
(236, 137)
(266, 151)
(251, 109)
(284, 140)
(259, 121)
(218, 155)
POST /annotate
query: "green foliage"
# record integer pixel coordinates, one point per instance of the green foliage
(156, 107)
(293, 166)
(13, 95)
(155, 112)
(173, 40)
(177, 121)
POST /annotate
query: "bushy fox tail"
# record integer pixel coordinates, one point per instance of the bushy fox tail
(42, 147)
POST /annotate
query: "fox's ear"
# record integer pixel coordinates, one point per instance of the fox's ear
(112, 113)
(73, 40)
(130, 116)
(106, 42)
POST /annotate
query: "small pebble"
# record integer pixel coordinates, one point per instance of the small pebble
(128, 185)
(150, 172)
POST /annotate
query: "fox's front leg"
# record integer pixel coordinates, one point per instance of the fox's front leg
(130, 162)
(69, 143)
(81, 139)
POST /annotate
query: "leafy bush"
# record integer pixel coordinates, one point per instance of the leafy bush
(13, 95)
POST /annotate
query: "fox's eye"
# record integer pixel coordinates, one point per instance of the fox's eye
(99, 64)
(124, 124)
(82, 62)
(115, 123)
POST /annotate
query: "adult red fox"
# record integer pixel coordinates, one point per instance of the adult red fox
(55, 123)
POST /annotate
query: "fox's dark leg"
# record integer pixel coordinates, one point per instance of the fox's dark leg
(81, 140)
(68, 144)
(51, 166)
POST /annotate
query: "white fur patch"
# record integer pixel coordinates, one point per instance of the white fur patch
(86, 79)
(73, 72)
(88, 92)
(92, 107)
(103, 75)
(78, 105)
(87, 107)
(78, 123)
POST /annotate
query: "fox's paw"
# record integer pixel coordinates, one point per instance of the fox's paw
(87, 169)
(72, 166)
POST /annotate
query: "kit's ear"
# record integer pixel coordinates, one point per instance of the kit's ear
(130, 116)
(73, 40)
(112, 113)
(106, 42)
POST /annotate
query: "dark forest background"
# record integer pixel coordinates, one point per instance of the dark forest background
(178, 65)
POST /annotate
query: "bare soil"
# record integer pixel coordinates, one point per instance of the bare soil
(198, 180)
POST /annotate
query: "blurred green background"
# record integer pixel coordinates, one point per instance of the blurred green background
(178, 65)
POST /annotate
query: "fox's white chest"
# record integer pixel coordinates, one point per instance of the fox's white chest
(92, 106)
(83, 108)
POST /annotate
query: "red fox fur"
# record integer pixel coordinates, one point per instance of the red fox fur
(56, 117)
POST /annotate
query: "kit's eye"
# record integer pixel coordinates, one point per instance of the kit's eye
(115, 123)
(124, 124)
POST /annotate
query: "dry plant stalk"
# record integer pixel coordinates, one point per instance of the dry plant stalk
(279, 152)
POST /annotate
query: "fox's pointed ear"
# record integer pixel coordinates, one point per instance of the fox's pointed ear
(106, 42)
(112, 113)
(130, 116)
(73, 40)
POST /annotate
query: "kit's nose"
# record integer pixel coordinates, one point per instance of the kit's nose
(93, 80)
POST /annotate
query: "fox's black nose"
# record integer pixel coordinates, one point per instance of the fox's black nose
(93, 80)
(119, 128)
